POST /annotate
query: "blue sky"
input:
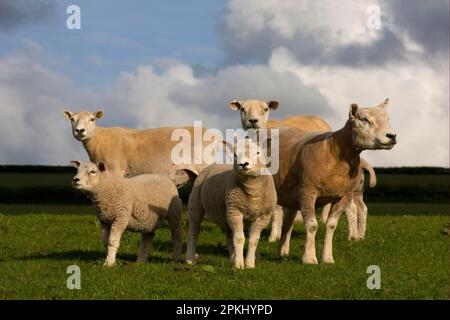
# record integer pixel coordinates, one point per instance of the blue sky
(117, 36)
(170, 63)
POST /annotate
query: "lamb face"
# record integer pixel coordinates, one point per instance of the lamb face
(249, 158)
(254, 113)
(83, 123)
(371, 128)
(88, 175)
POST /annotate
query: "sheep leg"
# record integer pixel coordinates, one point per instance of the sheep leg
(277, 221)
(298, 217)
(254, 233)
(195, 218)
(144, 247)
(325, 212)
(236, 223)
(230, 244)
(174, 220)
(333, 219)
(352, 220)
(286, 231)
(307, 205)
(362, 216)
(117, 229)
(106, 228)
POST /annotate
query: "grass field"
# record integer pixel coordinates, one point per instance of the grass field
(407, 242)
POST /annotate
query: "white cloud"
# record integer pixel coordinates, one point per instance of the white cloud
(334, 23)
(419, 99)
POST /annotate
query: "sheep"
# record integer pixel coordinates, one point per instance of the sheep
(231, 195)
(255, 114)
(318, 168)
(136, 204)
(129, 152)
(356, 224)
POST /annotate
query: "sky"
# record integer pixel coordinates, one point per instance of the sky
(170, 63)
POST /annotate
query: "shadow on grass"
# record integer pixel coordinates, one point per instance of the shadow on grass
(90, 256)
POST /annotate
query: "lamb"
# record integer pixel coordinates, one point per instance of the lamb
(255, 114)
(231, 195)
(318, 168)
(129, 152)
(137, 204)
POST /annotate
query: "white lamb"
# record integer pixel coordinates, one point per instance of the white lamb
(231, 195)
(136, 204)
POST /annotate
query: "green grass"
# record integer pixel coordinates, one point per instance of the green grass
(35, 250)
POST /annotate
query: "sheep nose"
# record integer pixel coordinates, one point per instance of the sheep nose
(253, 121)
(391, 136)
(80, 130)
(76, 179)
(244, 165)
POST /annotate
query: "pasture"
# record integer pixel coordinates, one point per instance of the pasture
(45, 232)
(37, 247)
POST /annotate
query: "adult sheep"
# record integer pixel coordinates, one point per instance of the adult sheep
(319, 168)
(255, 115)
(130, 152)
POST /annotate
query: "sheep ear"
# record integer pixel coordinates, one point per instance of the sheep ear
(101, 166)
(99, 114)
(272, 104)
(353, 110)
(235, 105)
(75, 163)
(384, 104)
(67, 114)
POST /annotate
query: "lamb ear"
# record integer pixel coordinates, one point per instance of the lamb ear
(353, 110)
(272, 104)
(99, 114)
(75, 163)
(67, 114)
(235, 105)
(384, 104)
(101, 166)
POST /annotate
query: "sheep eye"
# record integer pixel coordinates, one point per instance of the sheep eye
(258, 152)
(92, 119)
(365, 120)
(266, 109)
(92, 172)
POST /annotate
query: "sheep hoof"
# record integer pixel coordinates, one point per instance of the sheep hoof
(328, 260)
(274, 238)
(283, 252)
(109, 264)
(239, 265)
(310, 260)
